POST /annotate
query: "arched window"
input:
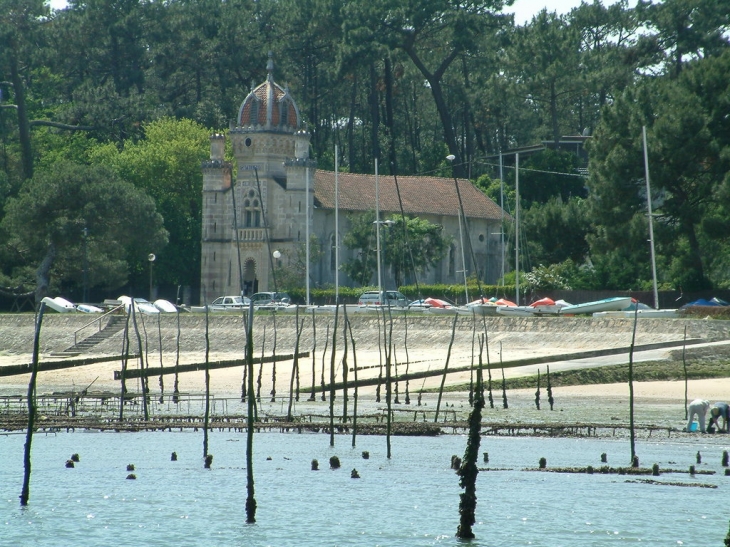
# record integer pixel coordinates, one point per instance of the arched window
(251, 210)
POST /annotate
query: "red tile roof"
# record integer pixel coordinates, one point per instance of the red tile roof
(420, 195)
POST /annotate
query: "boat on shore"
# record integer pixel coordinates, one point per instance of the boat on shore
(617, 303)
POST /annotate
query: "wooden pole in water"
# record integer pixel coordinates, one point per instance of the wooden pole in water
(631, 385)
(468, 471)
(25, 492)
(344, 364)
(312, 395)
(684, 365)
(125, 360)
(295, 365)
(549, 389)
(250, 499)
(332, 374)
(405, 346)
(324, 356)
(143, 378)
(354, 404)
(176, 388)
(504, 382)
(380, 358)
(273, 369)
(537, 393)
(471, 367)
(446, 367)
(261, 367)
(159, 341)
(207, 385)
(388, 340)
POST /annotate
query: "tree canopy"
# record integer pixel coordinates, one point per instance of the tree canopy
(133, 87)
(77, 218)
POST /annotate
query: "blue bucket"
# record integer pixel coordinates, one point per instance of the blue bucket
(694, 426)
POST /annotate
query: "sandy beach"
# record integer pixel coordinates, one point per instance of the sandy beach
(656, 403)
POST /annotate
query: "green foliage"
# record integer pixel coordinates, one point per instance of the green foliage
(550, 174)
(426, 241)
(166, 165)
(45, 227)
(544, 278)
(291, 269)
(557, 230)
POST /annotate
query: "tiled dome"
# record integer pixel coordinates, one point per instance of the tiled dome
(270, 107)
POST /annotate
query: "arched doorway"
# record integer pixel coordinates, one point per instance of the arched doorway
(250, 282)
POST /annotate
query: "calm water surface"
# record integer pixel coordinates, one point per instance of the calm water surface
(410, 500)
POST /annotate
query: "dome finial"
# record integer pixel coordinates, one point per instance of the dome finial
(270, 66)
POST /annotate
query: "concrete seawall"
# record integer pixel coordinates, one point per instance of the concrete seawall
(421, 333)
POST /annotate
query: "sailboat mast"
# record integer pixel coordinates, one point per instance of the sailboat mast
(377, 232)
(306, 230)
(517, 228)
(651, 220)
(337, 229)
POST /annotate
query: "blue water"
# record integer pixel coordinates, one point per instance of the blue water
(409, 500)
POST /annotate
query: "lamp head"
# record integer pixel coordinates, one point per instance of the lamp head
(151, 257)
(277, 254)
(451, 157)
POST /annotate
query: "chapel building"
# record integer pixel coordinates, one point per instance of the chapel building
(265, 209)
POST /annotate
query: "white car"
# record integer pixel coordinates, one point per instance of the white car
(223, 303)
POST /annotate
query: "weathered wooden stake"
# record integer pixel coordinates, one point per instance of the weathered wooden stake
(125, 360)
(354, 359)
(324, 355)
(273, 368)
(344, 364)
(549, 389)
(25, 491)
(206, 419)
(176, 386)
(143, 375)
(261, 367)
(446, 368)
(537, 393)
(250, 498)
(295, 364)
(161, 381)
(312, 395)
(332, 375)
(631, 385)
(468, 470)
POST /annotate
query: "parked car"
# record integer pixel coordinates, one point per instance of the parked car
(223, 303)
(270, 299)
(395, 299)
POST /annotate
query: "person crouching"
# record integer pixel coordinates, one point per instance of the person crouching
(699, 408)
(720, 410)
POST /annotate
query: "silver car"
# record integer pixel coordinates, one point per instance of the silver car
(223, 303)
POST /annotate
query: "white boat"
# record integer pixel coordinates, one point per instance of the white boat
(165, 306)
(59, 304)
(650, 313)
(140, 305)
(516, 311)
(616, 303)
(88, 308)
(546, 306)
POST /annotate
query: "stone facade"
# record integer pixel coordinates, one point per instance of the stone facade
(265, 209)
